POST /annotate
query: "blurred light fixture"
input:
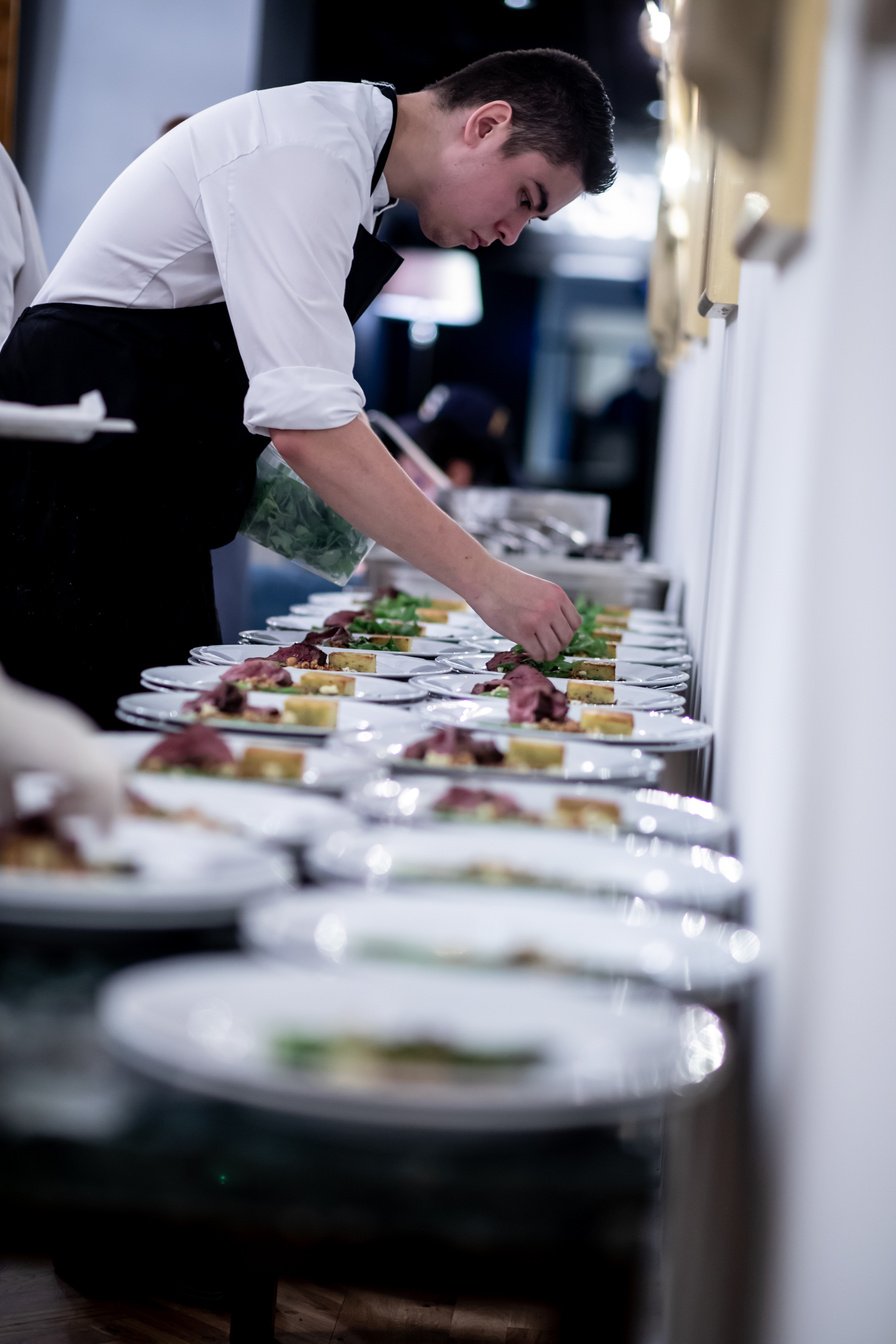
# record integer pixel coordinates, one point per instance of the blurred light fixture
(433, 286)
(657, 109)
(654, 30)
(675, 172)
(519, 4)
(627, 210)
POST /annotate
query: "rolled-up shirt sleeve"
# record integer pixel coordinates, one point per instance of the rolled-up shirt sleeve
(282, 222)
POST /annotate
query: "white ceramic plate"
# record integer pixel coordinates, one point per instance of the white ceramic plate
(583, 762)
(277, 815)
(459, 686)
(194, 677)
(186, 877)
(648, 812)
(654, 656)
(420, 646)
(633, 865)
(666, 732)
(154, 707)
(634, 673)
(328, 769)
(457, 623)
(397, 666)
(351, 597)
(430, 632)
(692, 955)
(208, 1025)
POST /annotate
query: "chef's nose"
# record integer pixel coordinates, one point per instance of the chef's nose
(508, 231)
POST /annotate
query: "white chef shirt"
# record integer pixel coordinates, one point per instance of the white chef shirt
(24, 267)
(256, 201)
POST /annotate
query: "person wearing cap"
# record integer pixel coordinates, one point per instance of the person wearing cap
(466, 430)
(210, 297)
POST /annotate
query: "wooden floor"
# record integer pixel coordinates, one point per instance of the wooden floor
(37, 1308)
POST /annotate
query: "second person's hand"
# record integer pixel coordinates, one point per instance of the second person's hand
(532, 612)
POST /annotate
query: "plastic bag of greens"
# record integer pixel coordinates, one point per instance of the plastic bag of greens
(285, 515)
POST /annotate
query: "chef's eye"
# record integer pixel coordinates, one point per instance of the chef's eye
(526, 201)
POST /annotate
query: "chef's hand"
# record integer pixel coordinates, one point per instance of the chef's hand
(40, 732)
(530, 611)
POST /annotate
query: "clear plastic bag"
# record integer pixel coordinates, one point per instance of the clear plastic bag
(286, 516)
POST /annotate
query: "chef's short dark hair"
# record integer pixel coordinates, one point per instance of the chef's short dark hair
(560, 107)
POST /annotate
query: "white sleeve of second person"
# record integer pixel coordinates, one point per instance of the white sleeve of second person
(24, 268)
(282, 221)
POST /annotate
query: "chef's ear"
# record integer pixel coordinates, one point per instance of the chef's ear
(488, 119)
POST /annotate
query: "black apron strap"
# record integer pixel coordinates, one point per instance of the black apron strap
(373, 261)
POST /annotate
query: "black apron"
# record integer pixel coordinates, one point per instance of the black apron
(104, 546)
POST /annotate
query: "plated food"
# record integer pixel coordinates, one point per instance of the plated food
(463, 1050)
(262, 674)
(471, 753)
(521, 930)
(666, 732)
(369, 632)
(508, 855)
(463, 685)
(582, 649)
(361, 663)
(202, 752)
(673, 678)
(605, 808)
(146, 873)
(260, 712)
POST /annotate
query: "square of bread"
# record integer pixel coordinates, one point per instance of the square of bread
(399, 643)
(592, 691)
(601, 631)
(432, 614)
(449, 604)
(587, 814)
(614, 721)
(326, 683)
(353, 662)
(310, 710)
(593, 671)
(521, 753)
(270, 763)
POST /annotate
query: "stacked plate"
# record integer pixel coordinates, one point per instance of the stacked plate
(606, 808)
(524, 930)
(660, 732)
(468, 1050)
(674, 677)
(394, 666)
(146, 874)
(328, 769)
(169, 710)
(371, 689)
(583, 762)
(509, 855)
(460, 686)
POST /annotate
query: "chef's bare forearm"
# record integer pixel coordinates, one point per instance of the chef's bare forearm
(352, 470)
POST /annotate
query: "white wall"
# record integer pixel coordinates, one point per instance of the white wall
(108, 74)
(800, 644)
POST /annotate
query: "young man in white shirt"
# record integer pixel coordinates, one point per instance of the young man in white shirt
(210, 296)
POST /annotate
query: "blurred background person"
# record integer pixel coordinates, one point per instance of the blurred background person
(24, 266)
(468, 432)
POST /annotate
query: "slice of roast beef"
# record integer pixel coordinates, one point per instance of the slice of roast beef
(304, 654)
(267, 670)
(453, 742)
(198, 746)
